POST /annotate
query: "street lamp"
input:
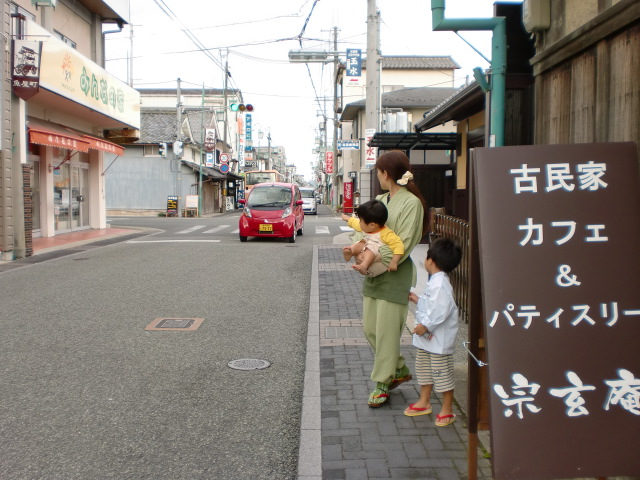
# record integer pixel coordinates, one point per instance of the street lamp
(302, 56)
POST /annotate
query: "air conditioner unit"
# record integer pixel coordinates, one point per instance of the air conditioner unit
(402, 122)
(390, 122)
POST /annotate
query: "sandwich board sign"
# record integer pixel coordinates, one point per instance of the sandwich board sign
(558, 229)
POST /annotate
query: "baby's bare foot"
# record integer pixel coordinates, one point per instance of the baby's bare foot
(346, 253)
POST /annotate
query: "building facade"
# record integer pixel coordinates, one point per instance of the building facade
(188, 149)
(65, 118)
(409, 85)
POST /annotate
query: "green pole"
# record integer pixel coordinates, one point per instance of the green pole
(498, 60)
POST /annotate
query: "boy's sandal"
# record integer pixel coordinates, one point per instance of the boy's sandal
(412, 411)
(444, 420)
(379, 396)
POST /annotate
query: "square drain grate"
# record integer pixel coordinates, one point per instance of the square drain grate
(180, 324)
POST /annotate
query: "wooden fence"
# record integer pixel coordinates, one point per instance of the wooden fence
(457, 229)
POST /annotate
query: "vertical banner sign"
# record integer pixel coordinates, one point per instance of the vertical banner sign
(209, 139)
(558, 229)
(240, 122)
(347, 206)
(354, 67)
(370, 153)
(26, 68)
(248, 126)
(329, 162)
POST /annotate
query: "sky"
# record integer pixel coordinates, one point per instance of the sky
(288, 98)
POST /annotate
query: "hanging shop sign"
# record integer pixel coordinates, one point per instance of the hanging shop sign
(209, 139)
(370, 153)
(348, 144)
(25, 79)
(328, 158)
(354, 67)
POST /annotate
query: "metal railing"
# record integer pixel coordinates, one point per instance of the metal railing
(457, 229)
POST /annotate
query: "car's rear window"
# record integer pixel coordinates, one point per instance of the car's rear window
(269, 196)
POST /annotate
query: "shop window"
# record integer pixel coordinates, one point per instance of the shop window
(151, 151)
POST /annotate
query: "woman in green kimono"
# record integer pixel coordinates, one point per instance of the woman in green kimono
(386, 297)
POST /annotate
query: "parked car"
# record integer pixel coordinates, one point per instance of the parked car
(310, 204)
(272, 210)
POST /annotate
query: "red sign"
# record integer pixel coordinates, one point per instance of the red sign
(558, 229)
(329, 162)
(347, 206)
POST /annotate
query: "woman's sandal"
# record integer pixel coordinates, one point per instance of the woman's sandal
(444, 420)
(402, 375)
(379, 396)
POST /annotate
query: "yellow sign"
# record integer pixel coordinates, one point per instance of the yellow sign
(69, 74)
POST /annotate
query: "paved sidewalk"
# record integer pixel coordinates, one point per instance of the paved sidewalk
(359, 442)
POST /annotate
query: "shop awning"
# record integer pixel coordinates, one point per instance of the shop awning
(53, 135)
(102, 145)
(414, 141)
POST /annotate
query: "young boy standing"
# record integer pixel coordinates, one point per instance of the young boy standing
(435, 332)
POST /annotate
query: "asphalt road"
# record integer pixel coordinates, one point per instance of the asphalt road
(87, 393)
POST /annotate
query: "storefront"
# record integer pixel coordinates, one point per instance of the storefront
(62, 193)
(62, 146)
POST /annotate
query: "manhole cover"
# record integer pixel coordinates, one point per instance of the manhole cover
(248, 364)
(175, 324)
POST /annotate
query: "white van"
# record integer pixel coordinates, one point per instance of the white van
(309, 204)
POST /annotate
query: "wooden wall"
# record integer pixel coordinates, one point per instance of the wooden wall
(593, 96)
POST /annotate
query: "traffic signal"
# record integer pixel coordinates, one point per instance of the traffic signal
(241, 107)
(162, 149)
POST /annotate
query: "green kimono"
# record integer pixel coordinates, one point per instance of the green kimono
(386, 297)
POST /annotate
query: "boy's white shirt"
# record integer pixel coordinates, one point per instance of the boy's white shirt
(437, 310)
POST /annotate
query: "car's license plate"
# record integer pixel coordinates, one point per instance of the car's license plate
(266, 227)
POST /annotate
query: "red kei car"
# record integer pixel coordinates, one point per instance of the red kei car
(272, 210)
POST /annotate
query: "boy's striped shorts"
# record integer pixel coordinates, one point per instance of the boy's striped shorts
(436, 370)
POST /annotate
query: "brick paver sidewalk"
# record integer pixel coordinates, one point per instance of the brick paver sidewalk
(359, 442)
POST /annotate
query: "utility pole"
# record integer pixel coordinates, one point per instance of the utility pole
(334, 118)
(224, 95)
(176, 159)
(202, 154)
(268, 162)
(372, 101)
(130, 51)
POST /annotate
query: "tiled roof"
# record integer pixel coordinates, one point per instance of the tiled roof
(414, 62)
(444, 111)
(424, 97)
(157, 125)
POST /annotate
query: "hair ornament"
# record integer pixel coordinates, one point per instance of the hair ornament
(405, 178)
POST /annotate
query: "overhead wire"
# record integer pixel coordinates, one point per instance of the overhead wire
(299, 38)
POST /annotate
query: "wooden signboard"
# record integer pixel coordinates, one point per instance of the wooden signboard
(559, 229)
